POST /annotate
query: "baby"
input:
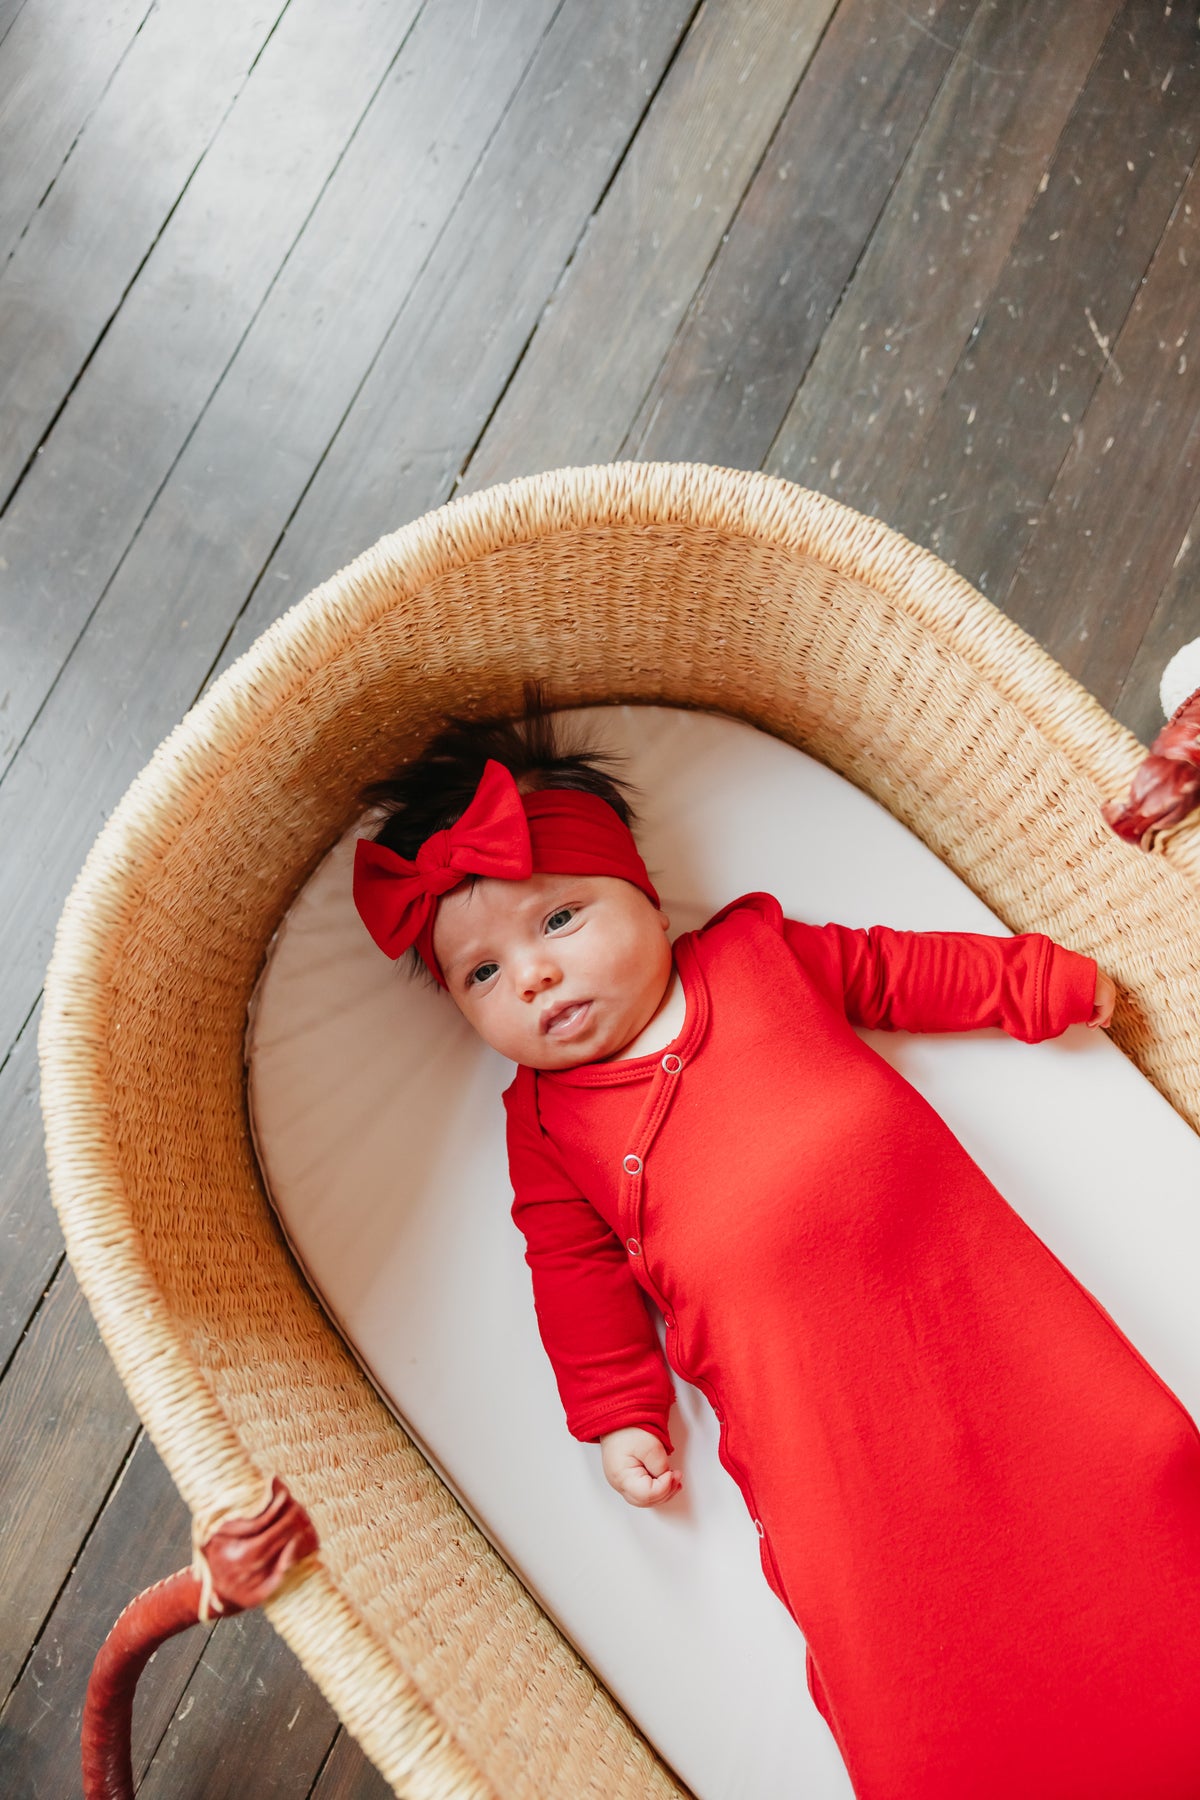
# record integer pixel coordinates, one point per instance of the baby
(945, 1443)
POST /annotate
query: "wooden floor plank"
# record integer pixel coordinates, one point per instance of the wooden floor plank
(1174, 622)
(31, 1244)
(85, 243)
(8, 13)
(1106, 548)
(454, 342)
(1010, 412)
(66, 1426)
(250, 1723)
(655, 234)
(143, 1534)
(167, 613)
(348, 1775)
(367, 247)
(55, 62)
(854, 428)
(737, 360)
(77, 510)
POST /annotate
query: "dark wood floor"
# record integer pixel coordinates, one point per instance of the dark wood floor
(275, 278)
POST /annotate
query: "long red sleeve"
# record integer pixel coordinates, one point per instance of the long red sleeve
(592, 1317)
(891, 980)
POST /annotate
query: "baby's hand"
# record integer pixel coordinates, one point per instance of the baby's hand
(637, 1465)
(1106, 995)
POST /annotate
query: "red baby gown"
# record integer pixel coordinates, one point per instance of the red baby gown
(976, 1499)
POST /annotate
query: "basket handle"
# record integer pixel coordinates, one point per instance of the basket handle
(240, 1564)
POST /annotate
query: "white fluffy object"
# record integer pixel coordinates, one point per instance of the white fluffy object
(1180, 678)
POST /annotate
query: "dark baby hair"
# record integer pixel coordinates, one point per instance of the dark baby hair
(435, 789)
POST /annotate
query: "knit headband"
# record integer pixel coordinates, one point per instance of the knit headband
(504, 833)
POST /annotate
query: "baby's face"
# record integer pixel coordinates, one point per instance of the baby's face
(556, 970)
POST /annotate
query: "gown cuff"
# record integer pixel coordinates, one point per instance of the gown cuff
(1070, 989)
(592, 1432)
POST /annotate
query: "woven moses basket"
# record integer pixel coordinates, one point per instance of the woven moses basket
(680, 585)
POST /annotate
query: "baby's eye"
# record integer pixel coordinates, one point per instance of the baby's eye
(562, 913)
(482, 973)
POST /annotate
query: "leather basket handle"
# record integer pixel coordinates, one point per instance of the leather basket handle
(241, 1563)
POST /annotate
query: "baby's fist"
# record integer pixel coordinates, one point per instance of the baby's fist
(1105, 1000)
(637, 1465)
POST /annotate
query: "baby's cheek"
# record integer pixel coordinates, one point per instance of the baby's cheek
(493, 1027)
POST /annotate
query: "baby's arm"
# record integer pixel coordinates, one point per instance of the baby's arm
(636, 1464)
(592, 1315)
(891, 980)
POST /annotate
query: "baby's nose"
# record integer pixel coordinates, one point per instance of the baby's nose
(538, 978)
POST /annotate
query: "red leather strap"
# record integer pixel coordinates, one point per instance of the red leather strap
(147, 1622)
(1166, 787)
(242, 1564)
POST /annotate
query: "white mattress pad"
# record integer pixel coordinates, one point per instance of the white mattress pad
(380, 1132)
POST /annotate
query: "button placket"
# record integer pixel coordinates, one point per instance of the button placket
(633, 1163)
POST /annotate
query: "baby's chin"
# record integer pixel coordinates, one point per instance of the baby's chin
(544, 1054)
(565, 1058)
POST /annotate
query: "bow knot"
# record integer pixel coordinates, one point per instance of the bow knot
(397, 898)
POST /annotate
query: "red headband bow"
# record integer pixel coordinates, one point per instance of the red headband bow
(503, 833)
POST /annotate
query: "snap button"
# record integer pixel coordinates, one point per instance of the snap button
(672, 1063)
(632, 1164)
(669, 1319)
(633, 1247)
(718, 1415)
(758, 1528)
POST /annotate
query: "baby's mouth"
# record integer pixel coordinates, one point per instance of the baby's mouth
(564, 1019)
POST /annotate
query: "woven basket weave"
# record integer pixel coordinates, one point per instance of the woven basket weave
(669, 584)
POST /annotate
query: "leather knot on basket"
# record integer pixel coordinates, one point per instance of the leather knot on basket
(1166, 787)
(242, 1561)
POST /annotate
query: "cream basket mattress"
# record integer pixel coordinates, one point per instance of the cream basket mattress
(378, 1125)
